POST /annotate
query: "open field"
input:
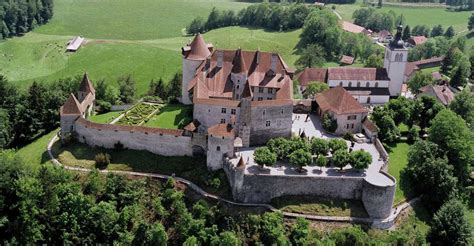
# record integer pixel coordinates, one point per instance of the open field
(131, 20)
(320, 206)
(416, 15)
(171, 116)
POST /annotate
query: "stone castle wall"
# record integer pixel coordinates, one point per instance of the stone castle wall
(279, 117)
(159, 141)
(263, 188)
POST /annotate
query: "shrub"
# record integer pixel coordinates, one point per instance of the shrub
(329, 124)
(215, 183)
(413, 134)
(102, 160)
(153, 99)
(263, 156)
(118, 146)
(348, 136)
(103, 106)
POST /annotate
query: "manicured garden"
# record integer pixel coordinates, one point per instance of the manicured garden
(172, 116)
(138, 114)
(191, 168)
(320, 206)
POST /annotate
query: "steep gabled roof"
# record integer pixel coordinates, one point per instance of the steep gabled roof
(198, 49)
(354, 74)
(339, 101)
(311, 74)
(71, 106)
(441, 92)
(239, 63)
(86, 85)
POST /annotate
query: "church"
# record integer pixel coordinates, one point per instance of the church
(369, 86)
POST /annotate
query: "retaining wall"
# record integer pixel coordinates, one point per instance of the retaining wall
(165, 142)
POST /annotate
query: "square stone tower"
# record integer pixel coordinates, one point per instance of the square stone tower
(395, 61)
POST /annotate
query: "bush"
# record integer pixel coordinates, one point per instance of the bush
(118, 146)
(329, 124)
(152, 99)
(102, 160)
(319, 146)
(103, 106)
(215, 183)
(413, 134)
(321, 161)
(348, 136)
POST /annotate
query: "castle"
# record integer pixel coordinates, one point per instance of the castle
(242, 99)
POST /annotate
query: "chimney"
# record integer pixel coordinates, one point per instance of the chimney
(258, 55)
(274, 62)
(220, 58)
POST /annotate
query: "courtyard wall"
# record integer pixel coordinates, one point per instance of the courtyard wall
(165, 142)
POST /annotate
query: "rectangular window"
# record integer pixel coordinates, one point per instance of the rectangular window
(267, 123)
(269, 98)
(232, 111)
(260, 89)
(260, 98)
(352, 126)
(351, 117)
(347, 126)
(224, 110)
(270, 90)
(222, 120)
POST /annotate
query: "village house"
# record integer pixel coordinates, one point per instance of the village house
(442, 93)
(343, 108)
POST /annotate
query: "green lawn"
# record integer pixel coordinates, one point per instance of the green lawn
(431, 70)
(416, 15)
(106, 117)
(192, 168)
(398, 161)
(130, 20)
(35, 153)
(170, 117)
(320, 206)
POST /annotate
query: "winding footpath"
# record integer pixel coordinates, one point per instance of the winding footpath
(376, 223)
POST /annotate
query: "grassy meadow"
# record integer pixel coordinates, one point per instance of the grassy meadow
(429, 16)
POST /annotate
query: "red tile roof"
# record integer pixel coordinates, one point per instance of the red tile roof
(414, 66)
(86, 84)
(311, 74)
(199, 50)
(347, 60)
(417, 40)
(339, 101)
(193, 126)
(369, 125)
(222, 130)
(441, 92)
(238, 63)
(71, 106)
(351, 73)
(351, 27)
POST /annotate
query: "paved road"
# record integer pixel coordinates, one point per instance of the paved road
(381, 224)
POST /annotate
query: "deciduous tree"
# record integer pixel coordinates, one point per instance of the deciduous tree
(264, 157)
(450, 226)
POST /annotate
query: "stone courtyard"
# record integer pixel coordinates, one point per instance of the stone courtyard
(312, 128)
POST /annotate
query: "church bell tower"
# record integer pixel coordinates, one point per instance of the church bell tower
(395, 61)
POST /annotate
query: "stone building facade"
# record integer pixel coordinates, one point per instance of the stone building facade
(249, 90)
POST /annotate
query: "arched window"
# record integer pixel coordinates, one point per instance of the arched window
(400, 57)
(367, 84)
(376, 84)
(358, 83)
(397, 57)
(350, 84)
